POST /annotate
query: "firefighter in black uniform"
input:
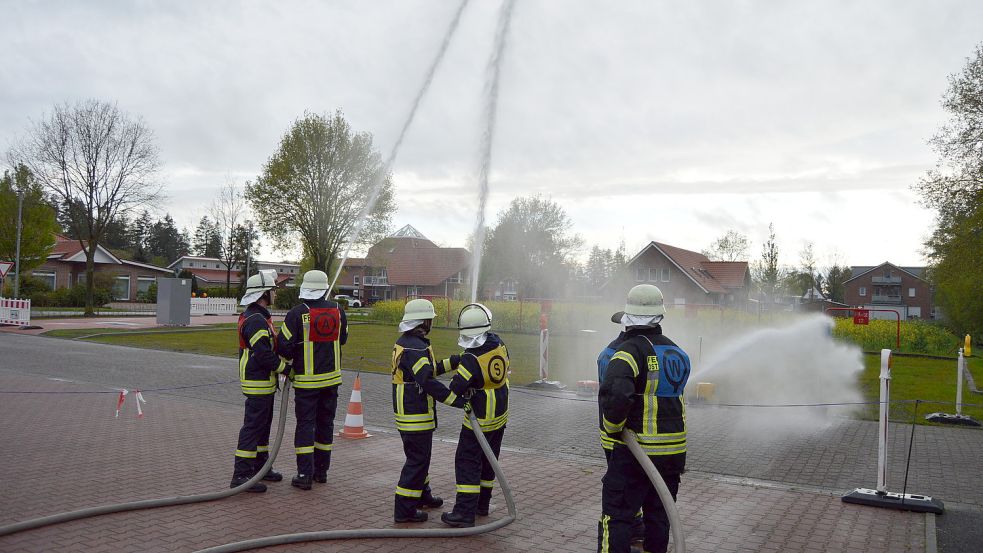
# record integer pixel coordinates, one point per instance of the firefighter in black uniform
(311, 338)
(259, 366)
(414, 390)
(482, 378)
(642, 392)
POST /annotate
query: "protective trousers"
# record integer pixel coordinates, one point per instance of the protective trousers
(625, 489)
(254, 436)
(414, 479)
(475, 476)
(315, 410)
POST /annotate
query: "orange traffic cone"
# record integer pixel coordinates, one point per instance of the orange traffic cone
(354, 426)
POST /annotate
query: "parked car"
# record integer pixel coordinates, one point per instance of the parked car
(352, 302)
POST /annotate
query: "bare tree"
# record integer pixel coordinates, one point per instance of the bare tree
(229, 210)
(732, 246)
(95, 161)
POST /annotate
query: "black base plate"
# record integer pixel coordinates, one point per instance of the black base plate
(891, 500)
(946, 418)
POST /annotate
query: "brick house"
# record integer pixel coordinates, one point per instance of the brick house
(405, 265)
(686, 277)
(888, 286)
(210, 271)
(65, 267)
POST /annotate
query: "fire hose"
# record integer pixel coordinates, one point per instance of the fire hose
(162, 502)
(668, 503)
(393, 532)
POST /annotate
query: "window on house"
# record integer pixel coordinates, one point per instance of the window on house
(79, 279)
(412, 291)
(641, 274)
(665, 275)
(143, 284)
(356, 281)
(46, 277)
(121, 288)
(216, 266)
(911, 292)
(863, 291)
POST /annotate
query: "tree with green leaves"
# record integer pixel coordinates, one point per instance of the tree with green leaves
(732, 246)
(954, 189)
(833, 280)
(314, 187)
(207, 240)
(766, 273)
(95, 160)
(165, 242)
(38, 221)
(531, 243)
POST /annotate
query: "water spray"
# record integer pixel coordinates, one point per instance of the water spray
(380, 178)
(493, 72)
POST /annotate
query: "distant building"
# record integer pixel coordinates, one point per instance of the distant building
(687, 277)
(210, 271)
(65, 267)
(404, 265)
(888, 286)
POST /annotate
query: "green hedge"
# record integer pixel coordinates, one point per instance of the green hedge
(916, 336)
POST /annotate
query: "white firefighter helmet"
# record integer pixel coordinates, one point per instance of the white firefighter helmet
(257, 284)
(475, 319)
(418, 310)
(644, 303)
(314, 286)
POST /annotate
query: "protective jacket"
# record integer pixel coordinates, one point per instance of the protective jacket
(603, 360)
(482, 374)
(311, 337)
(414, 384)
(258, 360)
(643, 390)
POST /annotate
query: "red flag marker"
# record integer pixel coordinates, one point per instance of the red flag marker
(119, 402)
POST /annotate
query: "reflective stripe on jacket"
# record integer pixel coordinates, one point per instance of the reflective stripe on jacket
(414, 384)
(258, 361)
(311, 337)
(489, 399)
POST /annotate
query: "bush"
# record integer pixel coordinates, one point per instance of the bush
(150, 296)
(286, 298)
(916, 336)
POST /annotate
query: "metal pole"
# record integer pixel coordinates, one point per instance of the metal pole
(960, 366)
(20, 205)
(882, 434)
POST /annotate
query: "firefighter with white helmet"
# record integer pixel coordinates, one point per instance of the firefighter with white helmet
(642, 391)
(415, 389)
(259, 366)
(482, 378)
(311, 338)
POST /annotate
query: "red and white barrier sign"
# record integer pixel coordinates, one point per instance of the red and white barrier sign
(15, 312)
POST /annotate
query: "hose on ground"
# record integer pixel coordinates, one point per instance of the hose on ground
(163, 502)
(392, 532)
(679, 545)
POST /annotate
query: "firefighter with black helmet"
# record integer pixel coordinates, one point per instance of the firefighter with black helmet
(259, 366)
(482, 378)
(642, 392)
(415, 389)
(311, 338)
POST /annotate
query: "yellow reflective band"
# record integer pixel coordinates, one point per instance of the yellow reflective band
(259, 334)
(408, 493)
(464, 372)
(323, 447)
(245, 454)
(400, 390)
(673, 437)
(286, 331)
(664, 450)
(487, 483)
(468, 488)
(449, 400)
(627, 359)
(490, 406)
(414, 418)
(304, 450)
(427, 479)
(611, 427)
(415, 427)
(420, 364)
(605, 535)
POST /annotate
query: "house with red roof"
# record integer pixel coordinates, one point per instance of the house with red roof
(211, 271)
(65, 267)
(688, 278)
(888, 288)
(404, 265)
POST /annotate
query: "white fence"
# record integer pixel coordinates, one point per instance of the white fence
(214, 306)
(15, 312)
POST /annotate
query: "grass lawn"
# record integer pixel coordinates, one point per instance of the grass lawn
(926, 379)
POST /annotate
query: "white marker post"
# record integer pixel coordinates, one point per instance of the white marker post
(544, 357)
(960, 367)
(880, 497)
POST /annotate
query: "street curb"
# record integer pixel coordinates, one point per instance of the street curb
(931, 546)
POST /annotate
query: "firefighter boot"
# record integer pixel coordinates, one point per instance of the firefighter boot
(457, 520)
(302, 481)
(321, 477)
(484, 501)
(417, 516)
(430, 501)
(258, 487)
(272, 476)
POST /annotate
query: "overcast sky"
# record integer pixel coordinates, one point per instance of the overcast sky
(666, 121)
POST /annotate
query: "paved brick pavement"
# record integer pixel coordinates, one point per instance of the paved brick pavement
(66, 451)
